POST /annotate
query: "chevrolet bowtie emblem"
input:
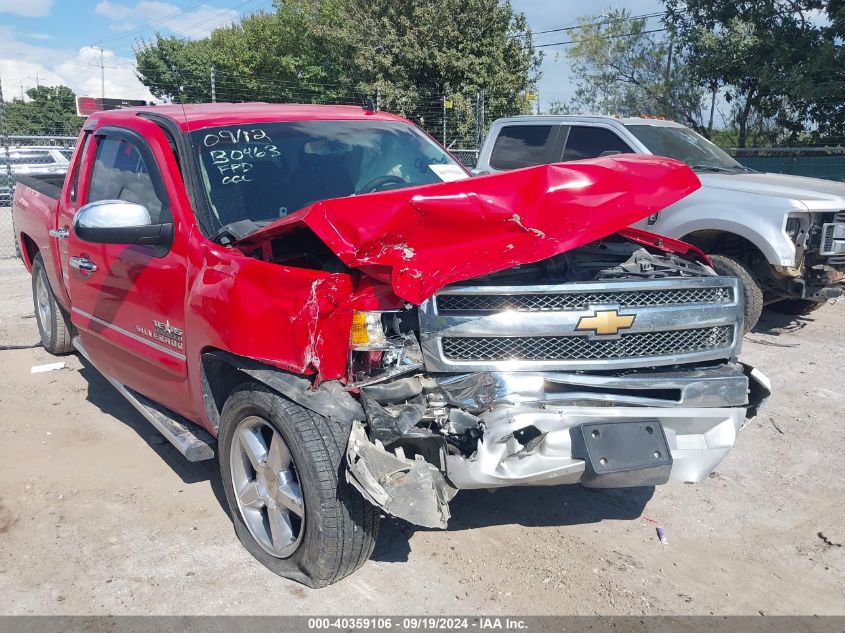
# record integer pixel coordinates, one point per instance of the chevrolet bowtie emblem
(605, 322)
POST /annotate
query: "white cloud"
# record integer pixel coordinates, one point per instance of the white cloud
(122, 26)
(20, 61)
(113, 10)
(27, 8)
(39, 36)
(196, 23)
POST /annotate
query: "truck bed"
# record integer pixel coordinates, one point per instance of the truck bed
(49, 185)
(34, 207)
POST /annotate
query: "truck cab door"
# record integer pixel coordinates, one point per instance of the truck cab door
(128, 300)
(69, 202)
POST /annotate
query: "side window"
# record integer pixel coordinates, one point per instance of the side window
(525, 146)
(591, 142)
(74, 177)
(120, 173)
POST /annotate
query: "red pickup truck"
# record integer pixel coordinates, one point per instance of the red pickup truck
(321, 296)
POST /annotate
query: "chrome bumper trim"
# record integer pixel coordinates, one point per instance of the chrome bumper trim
(698, 438)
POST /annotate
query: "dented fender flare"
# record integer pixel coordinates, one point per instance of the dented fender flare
(330, 399)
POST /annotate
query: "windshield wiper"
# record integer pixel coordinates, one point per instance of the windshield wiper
(725, 170)
(234, 231)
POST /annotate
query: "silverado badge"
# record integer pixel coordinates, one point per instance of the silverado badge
(605, 322)
(163, 332)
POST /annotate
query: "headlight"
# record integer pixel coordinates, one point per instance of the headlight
(793, 227)
(367, 332)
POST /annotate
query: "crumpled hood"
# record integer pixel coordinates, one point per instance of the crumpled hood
(815, 193)
(420, 239)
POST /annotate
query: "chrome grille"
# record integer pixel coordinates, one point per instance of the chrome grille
(561, 301)
(634, 345)
(827, 239)
(513, 328)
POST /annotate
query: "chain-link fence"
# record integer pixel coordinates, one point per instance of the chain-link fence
(468, 157)
(27, 156)
(816, 162)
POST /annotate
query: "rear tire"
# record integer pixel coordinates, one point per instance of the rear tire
(54, 324)
(727, 267)
(797, 307)
(328, 529)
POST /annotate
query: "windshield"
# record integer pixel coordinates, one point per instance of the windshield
(263, 172)
(683, 144)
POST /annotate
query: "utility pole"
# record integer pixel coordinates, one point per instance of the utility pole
(36, 78)
(667, 106)
(103, 67)
(213, 87)
(21, 87)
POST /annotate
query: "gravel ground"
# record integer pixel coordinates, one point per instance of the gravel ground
(98, 515)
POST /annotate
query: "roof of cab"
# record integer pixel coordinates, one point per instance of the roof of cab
(589, 118)
(196, 116)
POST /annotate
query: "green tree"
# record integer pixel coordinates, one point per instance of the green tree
(822, 88)
(559, 107)
(621, 66)
(758, 53)
(407, 54)
(49, 110)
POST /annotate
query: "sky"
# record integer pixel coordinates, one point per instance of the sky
(58, 41)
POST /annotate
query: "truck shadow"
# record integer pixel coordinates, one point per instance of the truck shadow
(777, 324)
(106, 398)
(471, 509)
(527, 506)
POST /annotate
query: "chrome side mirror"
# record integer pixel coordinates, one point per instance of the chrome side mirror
(119, 222)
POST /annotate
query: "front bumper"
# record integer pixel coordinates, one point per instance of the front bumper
(529, 426)
(698, 437)
(698, 440)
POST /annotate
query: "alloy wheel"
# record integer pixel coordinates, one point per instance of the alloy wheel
(267, 488)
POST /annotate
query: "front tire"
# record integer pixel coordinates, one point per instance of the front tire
(54, 324)
(283, 473)
(751, 290)
(797, 307)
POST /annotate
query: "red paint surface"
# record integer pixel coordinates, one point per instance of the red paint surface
(421, 239)
(408, 243)
(666, 244)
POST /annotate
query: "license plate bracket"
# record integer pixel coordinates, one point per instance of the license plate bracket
(623, 454)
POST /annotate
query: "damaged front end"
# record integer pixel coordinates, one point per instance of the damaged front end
(509, 330)
(499, 383)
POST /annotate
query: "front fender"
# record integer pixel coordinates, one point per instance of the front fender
(763, 227)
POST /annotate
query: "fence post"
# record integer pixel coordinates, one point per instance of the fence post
(4, 132)
(479, 119)
(444, 120)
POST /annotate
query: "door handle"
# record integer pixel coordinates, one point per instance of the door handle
(84, 264)
(60, 233)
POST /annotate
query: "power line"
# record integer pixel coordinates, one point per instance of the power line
(144, 27)
(574, 27)
(602, 37)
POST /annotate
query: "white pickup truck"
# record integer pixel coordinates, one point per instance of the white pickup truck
(783, 236)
